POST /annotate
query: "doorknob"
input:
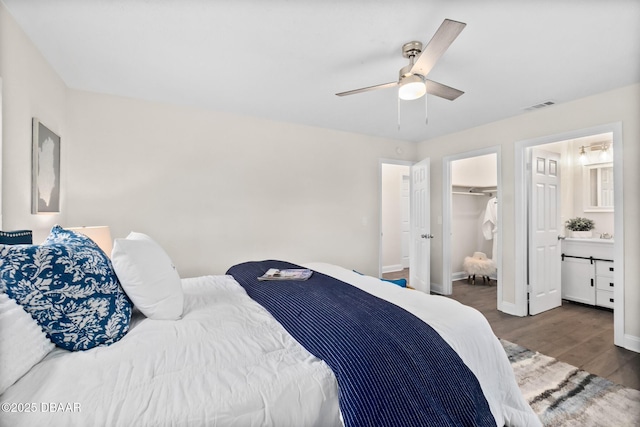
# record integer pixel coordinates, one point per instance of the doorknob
(427, 236)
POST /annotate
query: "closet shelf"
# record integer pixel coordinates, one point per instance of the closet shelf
(474, 191)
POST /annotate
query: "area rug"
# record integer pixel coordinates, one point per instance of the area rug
(563, 395)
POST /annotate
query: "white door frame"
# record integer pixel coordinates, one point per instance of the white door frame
(447, 215)
(380, 163)
(521, 224)
(1, 120)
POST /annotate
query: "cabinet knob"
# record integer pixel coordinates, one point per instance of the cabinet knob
(610, 268)
(610, 299)
(611, 284)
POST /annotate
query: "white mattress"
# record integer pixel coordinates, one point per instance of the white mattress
(227, 362)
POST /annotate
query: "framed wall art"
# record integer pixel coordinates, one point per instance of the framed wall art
(45, 170)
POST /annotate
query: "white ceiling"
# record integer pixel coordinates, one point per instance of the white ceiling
(285, 59)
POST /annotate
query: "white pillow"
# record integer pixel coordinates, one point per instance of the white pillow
(22, 342)
(148, 277)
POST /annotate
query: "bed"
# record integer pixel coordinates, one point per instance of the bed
(227, 361)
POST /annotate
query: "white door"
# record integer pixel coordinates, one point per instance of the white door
(405, 221)
(420, 223)
(544, 230)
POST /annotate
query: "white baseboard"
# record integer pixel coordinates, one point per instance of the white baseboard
(460, 275)
(632, 343)
(391, 268)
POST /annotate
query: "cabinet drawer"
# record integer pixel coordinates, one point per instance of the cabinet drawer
(604, 298)
(604, 283)
(604, 268)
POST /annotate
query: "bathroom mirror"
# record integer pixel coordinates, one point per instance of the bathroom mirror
(598, 187)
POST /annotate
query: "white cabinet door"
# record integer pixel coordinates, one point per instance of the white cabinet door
(578, 280)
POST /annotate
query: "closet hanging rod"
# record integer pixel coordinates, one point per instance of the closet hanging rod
(468, 194)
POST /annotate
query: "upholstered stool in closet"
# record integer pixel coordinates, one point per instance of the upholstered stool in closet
(478, 264)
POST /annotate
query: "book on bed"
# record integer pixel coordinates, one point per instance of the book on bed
(286, 274)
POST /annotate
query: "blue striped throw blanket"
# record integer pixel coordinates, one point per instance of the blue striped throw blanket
(392, 368)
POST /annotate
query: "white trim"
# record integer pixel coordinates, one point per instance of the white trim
(1, 121)
(447, 277)
(520, 199)
(510, 308)
(459, 275)
(435, 291)
(380, 163)
(618, 243)
(391, 268)
(632, 343)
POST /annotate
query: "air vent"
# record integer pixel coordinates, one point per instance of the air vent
(540, 105)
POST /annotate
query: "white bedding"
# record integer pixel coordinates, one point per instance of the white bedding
(228, 362)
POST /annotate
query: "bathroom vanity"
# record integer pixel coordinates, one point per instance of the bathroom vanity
(587, 271)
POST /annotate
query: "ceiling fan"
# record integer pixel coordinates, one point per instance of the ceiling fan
(412, 80)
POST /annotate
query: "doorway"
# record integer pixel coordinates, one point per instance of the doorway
(418, 236)
(466, 195)
(474, 187)
(394, 218)
(523, 199)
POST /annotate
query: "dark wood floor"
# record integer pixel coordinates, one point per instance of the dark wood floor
(576, 334)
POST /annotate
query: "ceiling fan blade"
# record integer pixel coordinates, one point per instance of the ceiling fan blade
(443, 91)
(440, 42)
(367, 89)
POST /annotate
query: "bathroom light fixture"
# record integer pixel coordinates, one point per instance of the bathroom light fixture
(604, 153)
(583, 155)
(603, 156)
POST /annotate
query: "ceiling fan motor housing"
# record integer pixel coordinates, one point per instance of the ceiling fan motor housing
(412, 49)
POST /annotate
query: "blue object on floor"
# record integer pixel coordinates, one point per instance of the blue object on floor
(400, 282)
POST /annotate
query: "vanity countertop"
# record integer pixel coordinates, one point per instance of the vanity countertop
(589, 240)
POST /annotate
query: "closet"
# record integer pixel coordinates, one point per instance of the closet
(473, 210)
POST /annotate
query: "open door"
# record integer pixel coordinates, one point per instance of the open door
(420, 259)
(544, 232)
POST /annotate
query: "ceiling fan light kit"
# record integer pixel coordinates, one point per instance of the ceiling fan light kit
(411, 87)
(412, 82)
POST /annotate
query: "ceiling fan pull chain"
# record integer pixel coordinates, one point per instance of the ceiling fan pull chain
(398, 114)
(426, 112)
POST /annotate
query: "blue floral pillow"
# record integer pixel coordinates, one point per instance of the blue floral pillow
(69, 287)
